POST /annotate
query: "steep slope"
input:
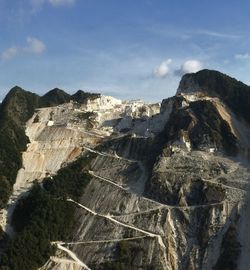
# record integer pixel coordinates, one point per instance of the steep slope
(16, 109)
(51, 145)
(233, 93)
(230, 97)
(54, 97)
(16, 132)
(58, 135)
(165, 186)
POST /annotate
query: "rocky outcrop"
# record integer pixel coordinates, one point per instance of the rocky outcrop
(201, 125)
(16, 109)
(210, 92)
(83, 97)
(233, 93)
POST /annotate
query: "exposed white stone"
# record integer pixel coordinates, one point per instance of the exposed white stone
(238, 126)
(78, 128)
(57, 135)
(50, 123)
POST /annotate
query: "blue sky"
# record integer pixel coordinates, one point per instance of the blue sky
(125, 48)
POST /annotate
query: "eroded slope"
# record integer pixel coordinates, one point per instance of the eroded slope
(168, 185)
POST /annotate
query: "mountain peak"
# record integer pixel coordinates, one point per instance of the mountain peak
(81, 96)
(56, 92)
(14, 90)
(54, 97)
(213, 83)
(19, 105)
(206, 81)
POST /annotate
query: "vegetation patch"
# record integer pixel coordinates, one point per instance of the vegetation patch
(16, 109)
(82, 97)
(54, 98)
(45, 216)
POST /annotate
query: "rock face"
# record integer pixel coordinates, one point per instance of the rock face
(169, 182)
(233, 93)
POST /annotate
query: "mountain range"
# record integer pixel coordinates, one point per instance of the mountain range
(93, 182)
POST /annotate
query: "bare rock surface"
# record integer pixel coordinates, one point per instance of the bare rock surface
(164, 192)
(175, 214)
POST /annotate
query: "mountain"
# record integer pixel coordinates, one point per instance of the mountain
(16, 109)
(54, 97)
(233, 93)
(57, 96)
(82, 97)
(110, 184)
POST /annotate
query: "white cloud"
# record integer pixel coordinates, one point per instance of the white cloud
(9, 53)
(34, 46)
(56, 3)
(242, 56)
(38, 4)
(190, 66)
(163, 69)
(218, 34)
